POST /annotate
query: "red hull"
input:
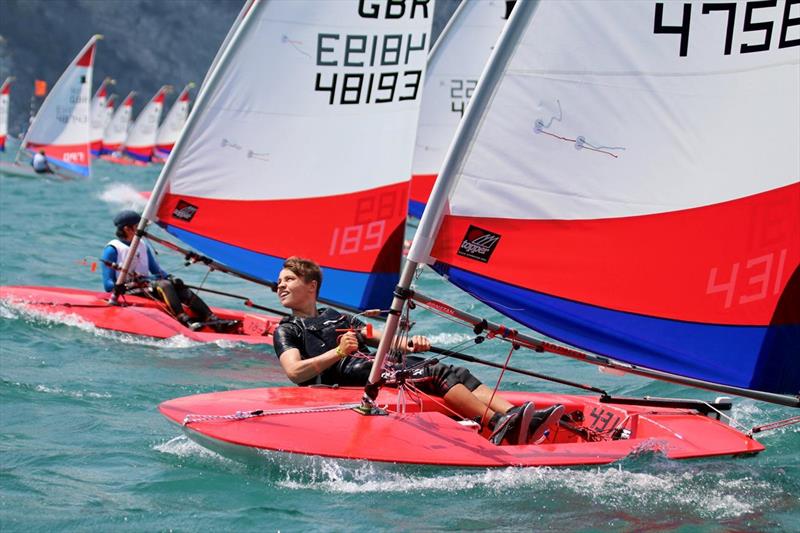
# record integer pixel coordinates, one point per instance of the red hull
(430, 437)
(126, 161)
(138, 316)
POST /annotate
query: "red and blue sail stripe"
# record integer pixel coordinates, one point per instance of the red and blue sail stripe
(711, 292)
(419, 191)
(356, 238)
(139, 153)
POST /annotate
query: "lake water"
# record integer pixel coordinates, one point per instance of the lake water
(84, 448)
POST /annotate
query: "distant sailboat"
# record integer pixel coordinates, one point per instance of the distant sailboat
(141, 140)
(116, 131)
(98, 116)
(5, 96)
(173, 124)
(108, 113)
(454, 66)
(61, 128)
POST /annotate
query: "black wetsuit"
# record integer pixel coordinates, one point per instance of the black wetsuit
(313, 336)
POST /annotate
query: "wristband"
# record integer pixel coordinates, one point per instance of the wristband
(340, 353)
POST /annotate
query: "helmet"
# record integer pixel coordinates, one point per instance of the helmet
(127, 218)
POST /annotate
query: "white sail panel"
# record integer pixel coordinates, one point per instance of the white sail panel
(108, 111)
(98, 116)
(552, 152)
(455, 64)
(365, 125)
(141, 138)
(117, 129)
(173, 124)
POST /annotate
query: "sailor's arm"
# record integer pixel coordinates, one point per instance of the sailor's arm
(419, 343)
(300, 370)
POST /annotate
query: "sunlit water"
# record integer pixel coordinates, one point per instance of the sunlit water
(84, 448)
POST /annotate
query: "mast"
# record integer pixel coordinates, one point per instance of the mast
(155, 197)
(426, 232)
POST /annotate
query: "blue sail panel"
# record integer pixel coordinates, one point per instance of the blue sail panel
(342, 288)
(765, 358)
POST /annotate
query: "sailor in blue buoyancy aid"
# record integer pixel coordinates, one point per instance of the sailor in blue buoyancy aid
(145, 268)
(312, 351)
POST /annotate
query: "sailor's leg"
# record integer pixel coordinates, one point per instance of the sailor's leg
(193, 301)
(165, 291)
(498, 403)
(465, 403)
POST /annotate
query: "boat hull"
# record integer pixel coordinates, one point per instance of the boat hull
(124, 161)
(426, 435)
(136, 315)
(25, 171)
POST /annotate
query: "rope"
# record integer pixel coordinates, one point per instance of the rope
(776, 425)
(497, 385)
(244, 415)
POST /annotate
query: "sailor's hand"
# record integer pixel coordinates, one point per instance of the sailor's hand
(420, 344)
(348, 343)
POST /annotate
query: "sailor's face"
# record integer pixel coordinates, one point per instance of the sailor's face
(293, 291)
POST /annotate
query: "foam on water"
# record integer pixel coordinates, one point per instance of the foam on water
(705, 493)
(12, 310)
(123, 195)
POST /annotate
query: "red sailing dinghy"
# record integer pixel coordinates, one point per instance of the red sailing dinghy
(136, 315)
(555, 150)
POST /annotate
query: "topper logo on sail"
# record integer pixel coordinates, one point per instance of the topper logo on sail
(478, 244)
(184, 211)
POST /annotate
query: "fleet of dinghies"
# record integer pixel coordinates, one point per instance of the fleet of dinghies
(581, 172)
(72, 128)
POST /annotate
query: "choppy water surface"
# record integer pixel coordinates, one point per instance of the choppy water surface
(84, 448)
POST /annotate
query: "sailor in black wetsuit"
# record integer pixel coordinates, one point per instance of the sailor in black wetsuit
(311, 351)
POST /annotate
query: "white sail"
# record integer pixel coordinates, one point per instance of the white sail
(98, 116)
(173, 124)
(141, 139)
(62, 125)
(117, 130)
(108, 111)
